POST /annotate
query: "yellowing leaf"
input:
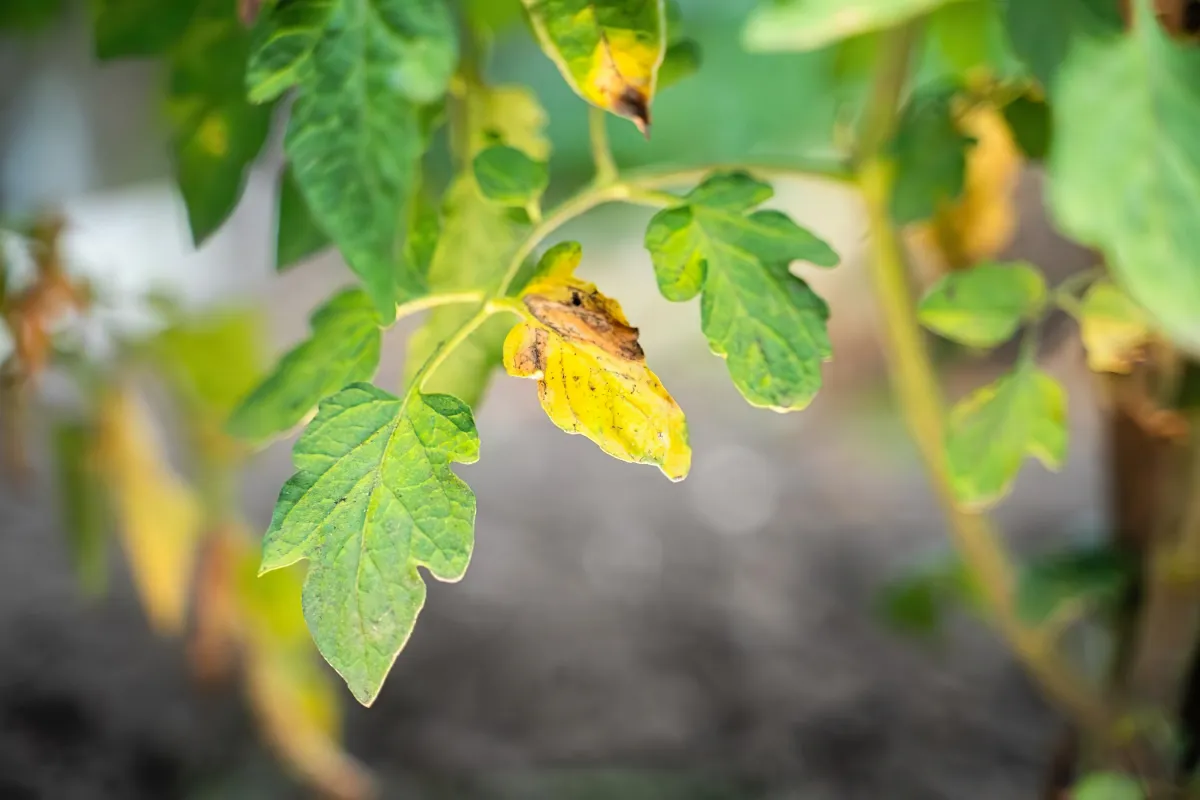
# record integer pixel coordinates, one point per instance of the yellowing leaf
(592, 374)
(1113, 328)
(609, 51)
(159, 516)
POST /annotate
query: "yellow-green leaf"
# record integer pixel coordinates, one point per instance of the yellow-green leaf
(1113, 328)
(592, 374)
(983, 306)
(811, 24)
(993, 430)
(609, 51)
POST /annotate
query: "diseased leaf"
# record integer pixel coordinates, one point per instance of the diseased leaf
(1144, 212)
(298, 236)
(931, 157)
(591, 372)
(1107, 786)
(356, 132)
(1092, 576)
(81, 492)
(1043, 33)
(983, 306)
(215, 133)
(1113, 328)
(608, 51)
(477, 242)
(507, 175)
(993, 430)
(158, 515)
(373, 499)
(342, 349)
(767, 323)
(131, 28)
(812, 24)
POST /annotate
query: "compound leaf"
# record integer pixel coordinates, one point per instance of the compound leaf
(767, 323)
(342, 349)
(812, 24)
(374, 498)
(1143, 213)
(993, 430)
(983, 306)
(608, 51)
(507, 175)
(591, 371)
(1113, 328)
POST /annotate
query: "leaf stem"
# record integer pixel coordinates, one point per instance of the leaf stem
(435, 300)
(921, 404)
(602, 157)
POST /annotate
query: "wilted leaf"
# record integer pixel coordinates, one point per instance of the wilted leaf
(343, 349)
(767, 323)
(993, 430)
(507, 175)
(81, 493)
(373, 499)
(983, 306)
(811, 24)
(125, 28)
(297, 235)
(356, 133)
(158, 516)
(1096, 575)
(1113, 328)
(477, 242)
(930, 155)
(1043, 33)
(1144, 212)
(1107, 786)
(608, 51)
(591, 371)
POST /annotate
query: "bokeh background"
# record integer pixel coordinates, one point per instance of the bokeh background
(617, 636)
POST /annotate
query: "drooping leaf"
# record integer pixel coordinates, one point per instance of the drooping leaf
(215, 133)
(298, 236)
(608, 51)
(374, 498)
(1091, 576)
(81, 493)
(591, 372)
(1144, 212)
(767, 323)
(993, 430)
(29, 15)
(930, 155)
(343, 349)
(132, 28)
(1043, 33)
(812, 24)
(1113, 328)
(357, 132)
(983, 306)
(1029, 121)
(1107, 786)
(477, 242)
(507, 175)
(158, 515)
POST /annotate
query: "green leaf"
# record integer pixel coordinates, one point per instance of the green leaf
(1029, 121)
(342, 349)
(812, 24)
(767, 323)
(983, 306)
(212, 360)
(507, 175)
(608, 51)
(1144, 212)
(29, 15)
(1107, 786)
(917, 602)
(215, 133)
(968, 38)
(476, 245)
(931, 157)
(81, 492)
(993, 430)
(132, 28)
(374, 498)
(357, 133)
(1092, 576)
(298, 236)
(1043, 33)
(681, 61)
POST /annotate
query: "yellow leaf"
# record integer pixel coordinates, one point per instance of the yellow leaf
(592, 375)
(159, 515)
(1113, 328)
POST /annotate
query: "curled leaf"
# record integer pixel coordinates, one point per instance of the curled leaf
(592, 374)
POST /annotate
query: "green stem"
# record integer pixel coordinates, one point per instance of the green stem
(602, 157)
(435, 300)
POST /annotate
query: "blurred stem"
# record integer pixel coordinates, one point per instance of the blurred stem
(919, 395)
(602, 157)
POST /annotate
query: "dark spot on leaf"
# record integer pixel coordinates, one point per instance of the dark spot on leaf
(576, 300)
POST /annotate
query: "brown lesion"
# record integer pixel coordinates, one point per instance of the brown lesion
(585, 318)
(632, 103)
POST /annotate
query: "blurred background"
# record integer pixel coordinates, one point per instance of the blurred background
(617, 636)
